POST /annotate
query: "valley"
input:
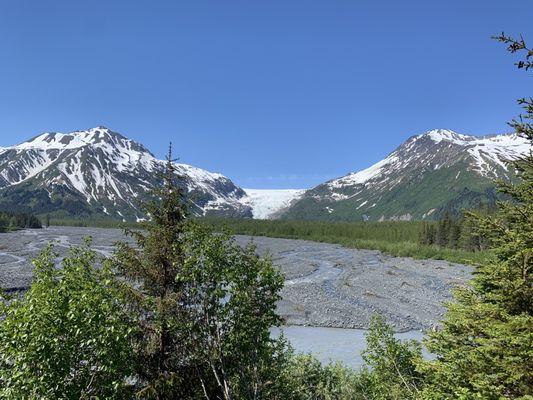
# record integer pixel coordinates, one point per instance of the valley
(327, 285)
(266, 200)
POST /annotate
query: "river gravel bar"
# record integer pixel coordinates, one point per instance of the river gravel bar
(326, 284)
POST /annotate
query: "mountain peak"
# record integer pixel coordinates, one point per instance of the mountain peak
(427, 175)
(501, 140)
(97, 134)
(76, 139)
(438, 135)
(103, 173)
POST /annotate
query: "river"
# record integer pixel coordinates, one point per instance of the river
(334, 344)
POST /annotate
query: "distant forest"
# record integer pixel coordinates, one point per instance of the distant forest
(13, 221)
(451, 239)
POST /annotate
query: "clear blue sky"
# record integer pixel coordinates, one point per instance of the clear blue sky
(272, 93)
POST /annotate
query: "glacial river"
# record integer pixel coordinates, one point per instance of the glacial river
(334, 344)
(326, 285)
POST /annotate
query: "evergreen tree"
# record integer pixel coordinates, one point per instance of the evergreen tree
(431, 234)
(471, 238)
(424, 235)
(485, 349)
(204, 306)
(442, 236)
(454, 234)
(155, 294)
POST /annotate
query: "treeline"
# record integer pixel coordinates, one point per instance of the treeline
(391, 231)
(399, 238)
(12, 221)
(419, 239)
(453, 233)
(93, 222)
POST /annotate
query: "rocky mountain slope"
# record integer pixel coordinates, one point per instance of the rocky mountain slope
(100, 173)
(426, 176)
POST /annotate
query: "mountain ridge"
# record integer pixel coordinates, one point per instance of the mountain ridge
(106, 174)
(101, 173)
(427, 175)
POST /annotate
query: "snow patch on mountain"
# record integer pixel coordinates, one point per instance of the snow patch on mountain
(364, 175)
(485, 153)
(73, 140)
(108, 168)
(266, 203)
(438, 135)
(485, 149)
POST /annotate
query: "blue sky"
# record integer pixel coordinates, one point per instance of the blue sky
(272, 93)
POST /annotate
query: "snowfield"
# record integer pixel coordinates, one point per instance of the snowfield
(266, 203)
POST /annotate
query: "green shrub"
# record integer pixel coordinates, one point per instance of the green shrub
(67, 337)
(389, 374)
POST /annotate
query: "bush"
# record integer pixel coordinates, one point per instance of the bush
(389, 374)
(67, 337)
(390, 365)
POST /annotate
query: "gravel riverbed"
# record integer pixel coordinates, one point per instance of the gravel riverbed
(326, 284)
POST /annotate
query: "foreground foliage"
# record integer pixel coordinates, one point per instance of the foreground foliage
(67, 338)
(204, 307)
(485, 350)
(389, 373)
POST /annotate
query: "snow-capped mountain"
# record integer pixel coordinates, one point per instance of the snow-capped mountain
(269, 203)
(98, 172)
(426, 176)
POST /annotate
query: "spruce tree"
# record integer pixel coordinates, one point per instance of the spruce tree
(204, 306)
(442, 236)
(454, 234)
(154, 292)
(485, 349)
(423, 234)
